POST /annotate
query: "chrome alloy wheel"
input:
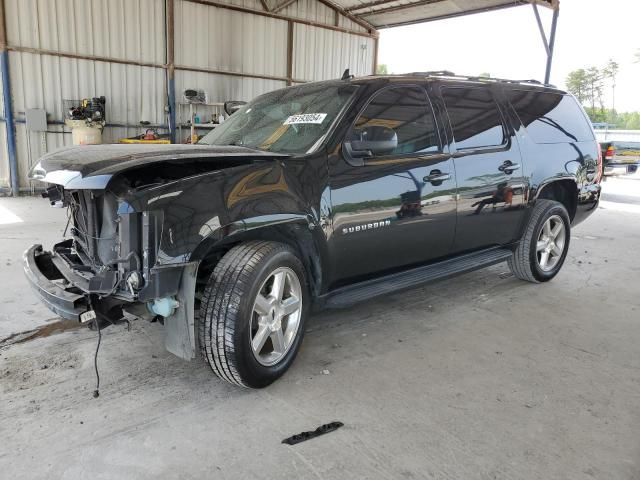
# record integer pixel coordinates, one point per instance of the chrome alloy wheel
(551, 243)
(276, 316)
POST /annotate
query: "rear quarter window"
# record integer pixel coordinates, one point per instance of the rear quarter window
(551, 117)
(475, 118)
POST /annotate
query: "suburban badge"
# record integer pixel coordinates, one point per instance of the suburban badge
(366, 226)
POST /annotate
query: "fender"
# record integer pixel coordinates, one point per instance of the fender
(300, 230)
(560, 178)
(180, 328)
(579, 166)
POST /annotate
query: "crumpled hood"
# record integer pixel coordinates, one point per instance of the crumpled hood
(92, 166)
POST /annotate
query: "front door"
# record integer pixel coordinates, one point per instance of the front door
(398, 208)
(489, 170)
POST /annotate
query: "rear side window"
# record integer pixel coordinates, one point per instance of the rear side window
(475, 118)
(408, 112)
(550, 117)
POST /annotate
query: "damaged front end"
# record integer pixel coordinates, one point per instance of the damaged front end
(138, 215)
(107, 266)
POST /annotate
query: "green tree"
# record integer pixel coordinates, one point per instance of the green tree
(577, 84)
(611, 73)
(633, 121)
(611, 70)
(622, 121)
(595, 84)
(382, 69)
(597, 115)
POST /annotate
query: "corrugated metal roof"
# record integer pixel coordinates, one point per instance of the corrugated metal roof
(389, 13)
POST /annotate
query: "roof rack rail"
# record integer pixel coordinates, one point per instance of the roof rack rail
(436, 73)
(447, 73)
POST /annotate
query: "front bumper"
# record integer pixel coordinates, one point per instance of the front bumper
(61, 297)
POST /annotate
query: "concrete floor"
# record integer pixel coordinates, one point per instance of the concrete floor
(479, 377)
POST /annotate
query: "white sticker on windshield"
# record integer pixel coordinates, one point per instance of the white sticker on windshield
(305, 118)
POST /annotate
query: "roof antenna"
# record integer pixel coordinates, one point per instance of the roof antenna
(346, 75)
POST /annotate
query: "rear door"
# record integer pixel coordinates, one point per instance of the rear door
(398, 208)
(489, 171)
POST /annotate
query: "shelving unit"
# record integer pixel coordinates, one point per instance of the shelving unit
(202, 110)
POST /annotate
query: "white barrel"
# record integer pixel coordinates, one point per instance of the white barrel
(87, 135)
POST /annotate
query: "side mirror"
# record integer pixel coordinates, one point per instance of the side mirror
(372, 140)
(233, 106)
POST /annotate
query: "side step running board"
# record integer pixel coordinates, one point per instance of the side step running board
(352, 294)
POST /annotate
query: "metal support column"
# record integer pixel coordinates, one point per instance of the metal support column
(552, 43)
(289, 53)
(171, 69)
(376, 45)
(8, 104)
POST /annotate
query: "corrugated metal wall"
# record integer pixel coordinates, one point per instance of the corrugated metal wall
(322, 54)
(48, 38)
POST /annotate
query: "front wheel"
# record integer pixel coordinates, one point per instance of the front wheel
(251, 320)
(544, 246)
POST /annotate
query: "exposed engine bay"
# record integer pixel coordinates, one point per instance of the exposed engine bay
(103, 251)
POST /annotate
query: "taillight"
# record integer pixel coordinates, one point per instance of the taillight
(611, 151)
(600, 165)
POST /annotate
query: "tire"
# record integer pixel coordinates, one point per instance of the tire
(527, 262)
(228, 326)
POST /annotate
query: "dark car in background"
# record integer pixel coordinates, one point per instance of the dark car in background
(320, 195)
(620, 157)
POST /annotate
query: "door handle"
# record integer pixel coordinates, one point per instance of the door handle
(508, 167)
(436, 176)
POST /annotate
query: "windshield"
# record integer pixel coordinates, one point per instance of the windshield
(291, 120)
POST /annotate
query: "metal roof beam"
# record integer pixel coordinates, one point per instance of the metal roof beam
(371, 33)
(396, 8)
(450, 15)
(265, 5)
(553, 4)
(354, 18)
(283, 5)
(376, 3)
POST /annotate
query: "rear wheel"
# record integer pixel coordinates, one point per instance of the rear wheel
(543, 248)
(251, 320)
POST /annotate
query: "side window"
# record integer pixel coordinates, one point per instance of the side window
(406, 111)
(475, 117)
(550, 117)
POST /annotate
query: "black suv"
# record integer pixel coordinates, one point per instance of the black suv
(320, 195)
